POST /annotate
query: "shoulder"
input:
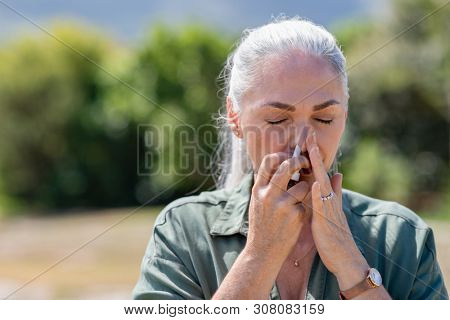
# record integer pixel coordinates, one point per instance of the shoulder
(393, 239)
(191, 211)
(397, 242)
(184, 224)
(388, 225)
(386, 230)
(204, 199)
(368, 208)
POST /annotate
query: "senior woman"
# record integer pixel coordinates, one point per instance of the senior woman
(264, 235)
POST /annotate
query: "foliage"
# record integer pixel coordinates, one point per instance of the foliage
(57, 149)
(71, 123)
(400, 98)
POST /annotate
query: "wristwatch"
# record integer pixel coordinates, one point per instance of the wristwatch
(372, 280)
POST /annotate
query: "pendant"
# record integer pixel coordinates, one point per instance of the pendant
(296, 263)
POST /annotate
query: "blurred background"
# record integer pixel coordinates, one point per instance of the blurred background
(79, 80)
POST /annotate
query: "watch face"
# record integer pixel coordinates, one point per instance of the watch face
(375, 276)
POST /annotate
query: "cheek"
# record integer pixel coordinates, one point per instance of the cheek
(329, 143)
(263, 141)
(274, 139)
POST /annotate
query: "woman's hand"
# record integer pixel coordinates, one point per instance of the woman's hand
(331, 233)
(276, 215)
(275, 220)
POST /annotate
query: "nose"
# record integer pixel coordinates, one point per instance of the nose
(300, 139)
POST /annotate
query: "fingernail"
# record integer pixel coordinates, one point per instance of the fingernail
(314, 137)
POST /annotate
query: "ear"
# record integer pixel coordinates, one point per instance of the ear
(231, 113)
(233, 118)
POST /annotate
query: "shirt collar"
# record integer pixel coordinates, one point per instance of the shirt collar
(234, 218)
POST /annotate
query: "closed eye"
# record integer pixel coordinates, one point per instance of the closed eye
(276, 122)
(325, 121)
(282, 120)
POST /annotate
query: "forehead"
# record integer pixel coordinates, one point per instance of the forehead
(294, 78)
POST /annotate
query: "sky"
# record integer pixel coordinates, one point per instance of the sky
(129, 20)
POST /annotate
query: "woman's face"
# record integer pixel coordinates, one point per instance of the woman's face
(293, 94)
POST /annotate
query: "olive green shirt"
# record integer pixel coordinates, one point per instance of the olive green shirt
(195, 241)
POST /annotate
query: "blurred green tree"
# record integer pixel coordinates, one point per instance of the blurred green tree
(400, 97)
(70, 126)
(57, 149)
(71, 129)
(178, 70)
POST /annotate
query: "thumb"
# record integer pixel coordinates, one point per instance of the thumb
(336, 184)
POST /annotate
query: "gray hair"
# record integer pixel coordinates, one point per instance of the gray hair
(241, 69)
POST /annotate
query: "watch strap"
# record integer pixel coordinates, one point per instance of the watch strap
(359, 288)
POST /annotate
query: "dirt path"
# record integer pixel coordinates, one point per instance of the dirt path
(108, 267)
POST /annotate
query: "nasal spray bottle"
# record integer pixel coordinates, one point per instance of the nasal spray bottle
(296, 176)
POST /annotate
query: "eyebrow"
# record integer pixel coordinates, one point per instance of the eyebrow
(291, 108)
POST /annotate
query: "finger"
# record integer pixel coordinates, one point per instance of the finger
(319, 170)
(298, 192)
(317, 203)
(268, 166)
(336, 183)
(286, 169)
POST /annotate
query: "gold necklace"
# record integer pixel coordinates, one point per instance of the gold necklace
(296, 261)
